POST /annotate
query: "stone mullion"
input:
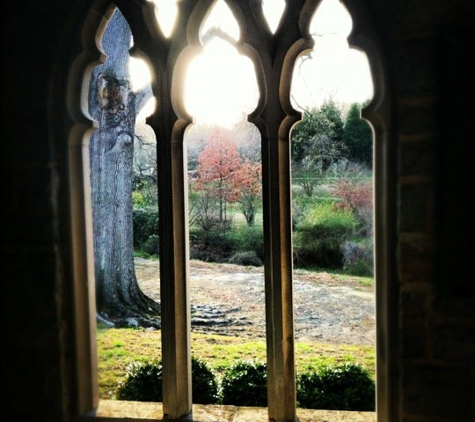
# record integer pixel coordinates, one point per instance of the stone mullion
(169, 124)
(274, 116)
(279, 284)
(174, 284)
(174, 268)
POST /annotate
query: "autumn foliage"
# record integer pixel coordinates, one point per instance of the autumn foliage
(356, 196)
(248, 181)
(225, 176)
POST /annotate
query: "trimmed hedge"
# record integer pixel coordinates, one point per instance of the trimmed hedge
(244, 383)
(342, 387)
(143, 382)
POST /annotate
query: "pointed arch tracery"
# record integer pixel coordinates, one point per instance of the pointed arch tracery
(273, 55)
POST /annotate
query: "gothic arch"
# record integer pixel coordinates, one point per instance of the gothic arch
(274, 117)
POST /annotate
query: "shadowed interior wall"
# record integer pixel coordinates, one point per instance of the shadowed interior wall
(428, 53)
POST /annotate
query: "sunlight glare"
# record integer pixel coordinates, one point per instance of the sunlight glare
(273, 10)
(220, 85)
(139, 73)
(221, 18)
(166, 12)
(331, 18)
(139, 77)
(333, 69)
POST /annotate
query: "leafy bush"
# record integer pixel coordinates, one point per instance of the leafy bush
(245, 384)
(250, 238)
(205, 384)
(211, 246)
(152, 245)
(319, 238)
(358, 258)
(342, 387)
(144, 187)
(246, 258)
(143, 382)
(302, 204)
(244, 246)
(356, 196)
(138, 199)
(145, 224)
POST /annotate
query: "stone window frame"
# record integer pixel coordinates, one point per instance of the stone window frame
(274, 117)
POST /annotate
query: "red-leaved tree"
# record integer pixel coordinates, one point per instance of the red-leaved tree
(248, 181)
(224, 177)
(218, 166)
(356, 196)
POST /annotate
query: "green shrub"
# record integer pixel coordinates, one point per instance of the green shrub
(250, 238)
(342, 387)
(152, 245)
(319, 238)
(303, 204)
(205, 384)
(246, 258)
(138, 199)
(143, 382)
(211, 246)
(244, 383)
(145, 224)
(358, 258)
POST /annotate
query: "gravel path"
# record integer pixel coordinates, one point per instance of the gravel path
(229, 299)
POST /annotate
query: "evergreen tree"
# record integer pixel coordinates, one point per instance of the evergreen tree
(331, 111)
(325, 122)
(316, 145)
(358, 136)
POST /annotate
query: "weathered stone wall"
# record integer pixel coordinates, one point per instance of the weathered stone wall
(430, 68)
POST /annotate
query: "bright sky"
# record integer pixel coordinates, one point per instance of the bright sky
(334, 69)
(221, 84)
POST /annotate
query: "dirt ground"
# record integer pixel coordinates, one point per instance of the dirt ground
(229, 299)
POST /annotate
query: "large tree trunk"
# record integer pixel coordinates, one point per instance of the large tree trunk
(115, 106)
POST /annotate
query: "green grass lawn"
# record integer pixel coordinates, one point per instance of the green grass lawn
(118, 347)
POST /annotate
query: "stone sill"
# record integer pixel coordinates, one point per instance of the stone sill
(129, 411)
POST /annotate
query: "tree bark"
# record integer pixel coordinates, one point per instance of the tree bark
(115, 106)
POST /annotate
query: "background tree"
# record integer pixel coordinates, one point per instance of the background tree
(115, 106)
(248, 139)
(358, 136)
(316, 145)
(332, 112)
(313, 123)
(202, 209)
(217, 168)
(316, 122)
(245, 134)
(248, 181)
(145, 176)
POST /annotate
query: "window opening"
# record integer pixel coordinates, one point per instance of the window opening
(332, 200)
(166, 13)
(331, 70)
(113, 95)
(273, 10)
(120, 98)
(114, 105)
(220, 20)
(225, 203)
(216, 76)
